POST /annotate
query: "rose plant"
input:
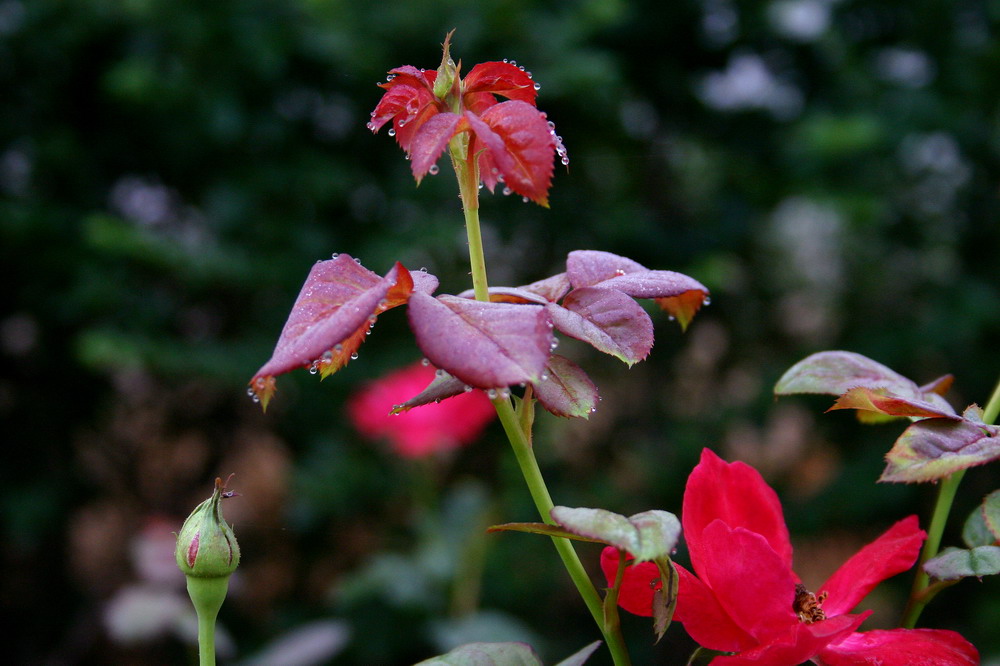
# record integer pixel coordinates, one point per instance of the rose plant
(741, 599)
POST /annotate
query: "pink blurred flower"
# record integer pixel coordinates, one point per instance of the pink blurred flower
(422, 430)
(744, 597)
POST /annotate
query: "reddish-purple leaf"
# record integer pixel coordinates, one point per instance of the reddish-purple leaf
(551, 288)
(655, 284)
(486, 345)
(881, 401)
(431, 140)
(442, 386)
(518, 139)
(501, 78)
(609, 320)
(328, 322)
(585, 268)
(508, 295)
(565, 389)
(932, 449)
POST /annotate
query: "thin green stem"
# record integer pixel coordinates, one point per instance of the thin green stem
(207, 595)
(543, 502)
(467, 173)
(946, 496)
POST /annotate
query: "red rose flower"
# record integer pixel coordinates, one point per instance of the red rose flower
(744, 597)
(424, 430)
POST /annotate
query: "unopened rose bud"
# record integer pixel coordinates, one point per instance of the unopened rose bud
(208, 554)
(206, 545)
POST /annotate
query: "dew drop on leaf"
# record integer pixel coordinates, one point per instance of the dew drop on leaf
(354, 356)
(433, 170)
(392, 132)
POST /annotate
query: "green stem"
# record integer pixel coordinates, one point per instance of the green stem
(207, 595)
(466, 170)
(946, 496)
(543, 502)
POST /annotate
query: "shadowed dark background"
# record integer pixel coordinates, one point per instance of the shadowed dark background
(169, 171)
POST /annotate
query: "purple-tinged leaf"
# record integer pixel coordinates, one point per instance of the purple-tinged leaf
(485, 345)
(655, 284)
(487, 654)
(931, 449)
(648, 536)
(836, 372)
(990, 511)
(585, 268)
(939, 386)
(551, 288)
(609, 320)
(956, 563)
(431, 140)
(508, 295)
(881, 401)
(565, 389)
(334, 309)
(442, 386)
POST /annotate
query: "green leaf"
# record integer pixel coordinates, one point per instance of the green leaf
(990, 511)
(932, 449)
(487, 654)
(650, 535)
(579, 658)
(541, 528)
(975, 532)
(955, 563)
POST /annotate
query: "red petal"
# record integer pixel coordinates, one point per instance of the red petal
(433, 137)
(520, 143)
(737, 495)
(639, 582)
(902, 647)
(500, 78)
(750, 580)
(890, 554)
(799, 644)
(704, 619)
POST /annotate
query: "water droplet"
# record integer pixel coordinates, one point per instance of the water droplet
(619, 271)
(354, 356)
(491, 394)
(499, 177)
(402, 121)
(425, 362)
(505, 60)
(251, 392)
(538, 86)
(507, 191)
(544, 377)
(423, 269)
(392, 132)
(255, 398)
(357, 261)
(565, 160)
(334, 255)
(314, 368)
(439, 373)
(552, 125)
(707, 300)
(521, 68)
(338, 348)
(467, 388)
(433, 170)
(513, 62)
(553, 344)
(370, 126)
(328, 355)
(525, 199)
(593, 409)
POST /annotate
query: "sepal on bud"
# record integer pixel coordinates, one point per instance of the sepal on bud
(206, 545)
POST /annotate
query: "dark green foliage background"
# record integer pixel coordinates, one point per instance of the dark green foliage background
(852, 204)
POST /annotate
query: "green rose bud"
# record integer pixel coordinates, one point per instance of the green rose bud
(208, 554)
(447, 72)
(206, 546)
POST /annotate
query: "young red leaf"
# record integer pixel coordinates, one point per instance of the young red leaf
(609, 320)
(521, 145)
(430, 142)
(683, 307)
(486, 345)
(501, 78)
(881, 401)
(939, 386)
(565, 389)
(932, 449)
